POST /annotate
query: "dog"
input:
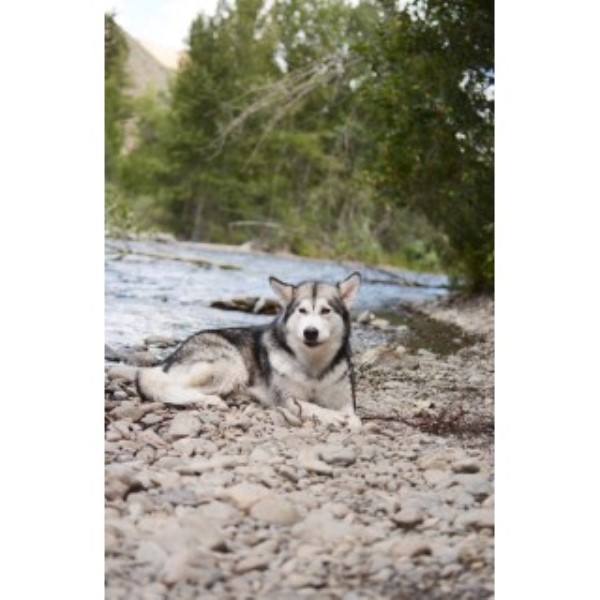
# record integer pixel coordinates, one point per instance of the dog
(300, 363)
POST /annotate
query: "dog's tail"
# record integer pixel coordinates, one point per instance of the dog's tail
(145, 385)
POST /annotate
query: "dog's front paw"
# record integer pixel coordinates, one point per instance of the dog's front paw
(212, 401)
(354, 423)
(291, 413)
(331, 419)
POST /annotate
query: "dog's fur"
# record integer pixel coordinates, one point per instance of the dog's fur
(300, 363)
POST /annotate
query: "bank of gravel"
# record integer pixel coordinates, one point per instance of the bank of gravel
(238, 504)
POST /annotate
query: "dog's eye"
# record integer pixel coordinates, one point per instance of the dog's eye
(302, 311)
(325, 310)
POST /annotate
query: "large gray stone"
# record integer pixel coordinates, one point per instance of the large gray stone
(245, 495)
(275, 510)
(335, 454)
(323, 526)
(184, 425)
(478, 518)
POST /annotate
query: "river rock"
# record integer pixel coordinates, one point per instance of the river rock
(142, 358)
(465, 466)
(204, 465)
(275, 510)
(189, 529)
(245, 495)
(379, 323)
(254, 562)
(122, 371)
(408, 518)
(365, 317)
(308, 459)
(477, 485)
(128, 409)
(411, 546)
(184, 425)
(478, 518)
(322, 526)
(191, 566)
(150, 552)
(120, 395)
(111, 543)
(112, 354)
(336, 454)
(219, 513)
(162, 341)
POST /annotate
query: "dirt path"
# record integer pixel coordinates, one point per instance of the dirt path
(237, 504)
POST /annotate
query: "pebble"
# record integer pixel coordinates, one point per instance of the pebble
(336, 455)
(322, 526)
(152, 418)
(189, 566)
(308, 459)
(466, 466)
(488, 502)
(477, 518)
(122, 371)
(146, 454)
(288, 472)
(120, 395)
(252, 563)
(162, 341)
(408, 519)
(275, 510)
(217, 512)
(203, 465)
(379, 323)
(245, 495)
(111, 543)
(478, 485)
(150, 552)
(112, 354)
(411, 546)
(128, 410)
(365, 317)
(184, 425)
(143, 358)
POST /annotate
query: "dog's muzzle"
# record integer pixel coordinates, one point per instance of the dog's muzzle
(311, 336)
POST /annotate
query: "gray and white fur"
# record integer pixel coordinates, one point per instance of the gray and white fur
(300, 363)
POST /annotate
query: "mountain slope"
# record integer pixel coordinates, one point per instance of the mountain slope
(144, 70)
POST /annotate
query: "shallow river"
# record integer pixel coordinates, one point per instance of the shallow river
(149, 291)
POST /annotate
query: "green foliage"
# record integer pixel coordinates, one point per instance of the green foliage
(432, 70)
(319, 128)
(115, 104)
(119, 218)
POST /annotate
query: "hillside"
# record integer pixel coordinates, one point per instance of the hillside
(144, 70)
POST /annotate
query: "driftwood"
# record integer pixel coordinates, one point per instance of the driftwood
(255, 305)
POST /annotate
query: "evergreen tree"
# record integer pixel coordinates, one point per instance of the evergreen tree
(115, 105)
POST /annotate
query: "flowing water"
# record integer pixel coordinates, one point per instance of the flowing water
(163, 288)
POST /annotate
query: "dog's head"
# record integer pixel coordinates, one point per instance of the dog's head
(316, 313)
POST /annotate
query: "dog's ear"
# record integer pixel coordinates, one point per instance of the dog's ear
(283, 291)
(349, 288)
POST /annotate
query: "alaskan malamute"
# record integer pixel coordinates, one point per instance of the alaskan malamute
(300, 363)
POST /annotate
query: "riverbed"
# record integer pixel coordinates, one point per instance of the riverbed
(165, 288)
(239, 503)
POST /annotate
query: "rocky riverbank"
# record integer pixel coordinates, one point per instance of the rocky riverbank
(239, 504)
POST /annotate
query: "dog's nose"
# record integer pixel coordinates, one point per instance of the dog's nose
(311, 334)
